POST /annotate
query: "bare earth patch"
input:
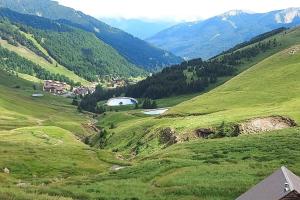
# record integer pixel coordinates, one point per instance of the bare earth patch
(265, 124)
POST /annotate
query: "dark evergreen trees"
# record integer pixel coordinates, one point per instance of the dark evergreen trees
(188, 77)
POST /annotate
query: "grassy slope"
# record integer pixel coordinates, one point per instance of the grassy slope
(39, 143)
(266, 89)
(18, 107)
(285, 39)
(26, 53)
(200, 169)
(210, 169)
(207, 170)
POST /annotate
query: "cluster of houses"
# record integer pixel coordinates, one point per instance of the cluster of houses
(116, 82)
(82, 91)
(63, 89)
(55, 87)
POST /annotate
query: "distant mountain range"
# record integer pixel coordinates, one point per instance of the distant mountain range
(133, 49)
(212, 36)
(138, 27)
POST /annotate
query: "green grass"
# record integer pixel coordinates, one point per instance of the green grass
(264, 88)
(59, 69)
(172, 101)
(31, 38)
(19, 109)
(268, 88)
(30, 78)
(38, 141)
(205, 169)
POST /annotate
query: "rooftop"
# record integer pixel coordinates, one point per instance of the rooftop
(281, 185)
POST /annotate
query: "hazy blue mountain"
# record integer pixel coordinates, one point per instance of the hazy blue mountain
(133, 49)
(214, 35)
(139, 28)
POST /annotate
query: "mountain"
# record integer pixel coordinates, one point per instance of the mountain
(260, 85)
(198, 76)
(171, 149)
(260, 88)
(76, 50)
(209, 37)
(133, 49)
(50, 150)
(139, 28)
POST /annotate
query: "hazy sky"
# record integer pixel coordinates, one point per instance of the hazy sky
(187, 10)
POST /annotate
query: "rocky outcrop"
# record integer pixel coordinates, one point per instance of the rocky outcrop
(167, 136)
(6, 170)
(204, 132)
(265, 124)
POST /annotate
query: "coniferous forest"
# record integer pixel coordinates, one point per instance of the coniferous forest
(192, 76)
(10, 61)
(79, 51)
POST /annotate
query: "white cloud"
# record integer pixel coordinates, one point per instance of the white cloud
(187, 10)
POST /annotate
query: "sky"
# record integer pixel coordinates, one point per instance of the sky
(172, 10)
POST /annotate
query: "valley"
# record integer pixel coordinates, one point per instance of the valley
(86, 115)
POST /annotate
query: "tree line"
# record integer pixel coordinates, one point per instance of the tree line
(188, 77)
(10, 61)
(11, 33)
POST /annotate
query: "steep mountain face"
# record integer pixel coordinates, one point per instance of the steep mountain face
(209, 37)
(139, 28)
(133, 49)
(77, 50)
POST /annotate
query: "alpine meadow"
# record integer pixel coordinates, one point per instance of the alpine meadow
(202, 110)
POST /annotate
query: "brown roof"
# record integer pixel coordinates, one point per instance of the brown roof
(277, 186)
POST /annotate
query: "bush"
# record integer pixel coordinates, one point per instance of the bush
(100, 109)
(112, 126)
(149, 104)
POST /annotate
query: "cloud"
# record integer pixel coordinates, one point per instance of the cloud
(187, 10)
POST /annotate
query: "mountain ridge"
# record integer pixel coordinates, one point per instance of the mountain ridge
(78, 51)
(50, 150)
(209, 37)
(141, 28)
(133, 49)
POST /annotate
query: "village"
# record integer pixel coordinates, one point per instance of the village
(65, 90)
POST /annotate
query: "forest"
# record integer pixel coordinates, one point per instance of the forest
(11, 33)
(10, 61)
(256, 39)
(79, 51)
(188, 77)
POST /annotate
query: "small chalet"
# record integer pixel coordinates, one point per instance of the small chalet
(83, 91)
(116, 82)
(55, 87)
(281, 185)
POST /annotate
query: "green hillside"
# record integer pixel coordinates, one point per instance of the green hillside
(268, 88)
(52, 66)
(42, 136)
(24, 45)
(265, 88)
(50, 163)
(195, 77)
(61, 49)
(217, 168)
(19, 109)
(136, 51)
(134, 156)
